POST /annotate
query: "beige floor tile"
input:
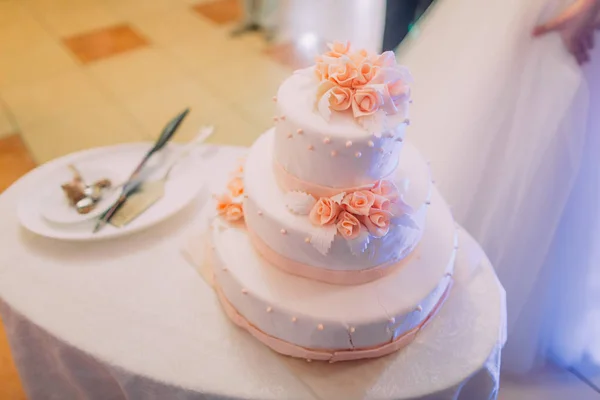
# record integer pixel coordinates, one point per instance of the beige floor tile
(136, 8)
(135, 72)
(155, 107)
(551, 383)
(46, 99)
(7, 124)
(173, 26)
(20, 32)
(78, 129)
(244, 78)
(78, 19)
(214, 48)
(40, 62)
(51, 5)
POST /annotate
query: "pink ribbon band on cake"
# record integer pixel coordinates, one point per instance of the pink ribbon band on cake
(290, 349)
(288, 182)
(335, 277)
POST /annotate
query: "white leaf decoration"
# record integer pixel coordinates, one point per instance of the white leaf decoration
(323, 106)
(322, 238)
(299, 203)
(360, 243)
(338, 198)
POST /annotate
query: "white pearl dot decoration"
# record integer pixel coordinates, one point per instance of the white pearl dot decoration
(290, 136)
(282, 118)
(326, 140)
(308, 360)
(407, 121)
(260, 212)
(419, 308)
(311, 147)
(370, 143)
(352, 329)
(245, 291)
(428, 202)
(399, 139)
(269, 309)
(294, 319)
(389, 135)
(381, 150)
(349, 143)
(307, 239)
(225, 269)
(299, 131)
(448, 274)
(320, 327)
(358, 154)
(274, 98)
(333, 153)
(392, 320)
(275, 119)
(283, 231)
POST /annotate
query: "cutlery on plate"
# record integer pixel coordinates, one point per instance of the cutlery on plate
(152, 191)
(132, 183)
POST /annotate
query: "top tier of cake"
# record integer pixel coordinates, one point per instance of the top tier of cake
(341, 123)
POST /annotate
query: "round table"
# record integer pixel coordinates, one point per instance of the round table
(133, 319)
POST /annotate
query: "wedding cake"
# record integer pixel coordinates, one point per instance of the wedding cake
(331, 242)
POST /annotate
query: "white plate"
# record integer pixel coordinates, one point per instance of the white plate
(55, 206)
(182, 187)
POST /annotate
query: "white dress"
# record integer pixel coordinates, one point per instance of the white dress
(507, 122)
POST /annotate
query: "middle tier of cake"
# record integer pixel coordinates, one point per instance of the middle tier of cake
(287, 240)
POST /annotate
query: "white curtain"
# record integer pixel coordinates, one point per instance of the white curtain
(508, 123)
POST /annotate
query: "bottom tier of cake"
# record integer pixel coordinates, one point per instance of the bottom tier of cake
(319, 321)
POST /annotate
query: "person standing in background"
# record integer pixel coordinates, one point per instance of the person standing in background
(258, 17)
(399, 16)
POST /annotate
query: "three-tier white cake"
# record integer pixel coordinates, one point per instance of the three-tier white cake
(331, 241)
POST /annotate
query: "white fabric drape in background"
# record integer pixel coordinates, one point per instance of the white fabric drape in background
(508, 124)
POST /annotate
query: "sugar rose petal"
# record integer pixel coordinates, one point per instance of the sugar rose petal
(359, 202)
(386, 189)
(236, 187)
(234, 212)
(324, 212)
(340, 98)
(222, 203)
(381, 203)
(342, 74)
(366, 72)
(366, 101)
(338, 49)
(377, 223)
(348, 225)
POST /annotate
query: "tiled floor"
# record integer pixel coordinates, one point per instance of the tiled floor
(81, 73)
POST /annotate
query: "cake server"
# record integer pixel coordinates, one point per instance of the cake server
(132, 183)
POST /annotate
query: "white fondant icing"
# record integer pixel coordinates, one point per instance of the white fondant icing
(296, 100)
(264, 194)
(368, 308)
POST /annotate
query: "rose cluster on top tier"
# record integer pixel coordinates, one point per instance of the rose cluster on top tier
(371, 209)
(372, 86)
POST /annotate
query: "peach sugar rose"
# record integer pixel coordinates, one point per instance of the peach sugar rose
(366, 101)
(386, 189)
(236, 187)
(359, 202)
(324, 212)
(342, 74)
(222, 203)
(377, 222)
(348, 225)
(234, 212)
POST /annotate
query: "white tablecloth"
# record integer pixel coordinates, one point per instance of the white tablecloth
(132, 319)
